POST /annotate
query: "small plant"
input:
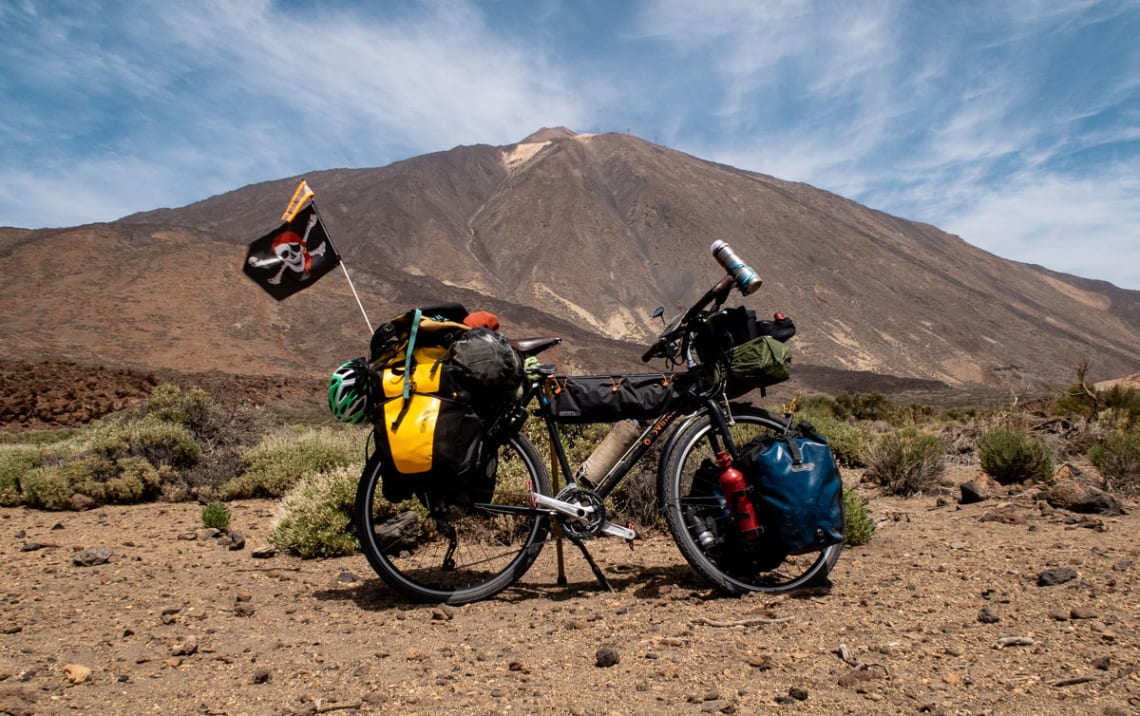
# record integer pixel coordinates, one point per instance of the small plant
(851, 443)
(907, 462)
(276, 464)
(314, 517)
(1012, 456)
(216, 516)
(859, 526)
(1118, 459)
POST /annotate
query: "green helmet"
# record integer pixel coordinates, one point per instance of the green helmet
(350, 392)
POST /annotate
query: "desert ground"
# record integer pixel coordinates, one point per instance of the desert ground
(1006, 606)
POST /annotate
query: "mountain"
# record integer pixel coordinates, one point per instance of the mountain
(568, 234)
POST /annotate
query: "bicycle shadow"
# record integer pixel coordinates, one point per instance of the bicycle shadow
(674, 581)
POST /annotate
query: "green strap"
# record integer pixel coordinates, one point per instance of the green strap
(408, 359)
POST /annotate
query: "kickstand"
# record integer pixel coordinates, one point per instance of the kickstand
(590, 560)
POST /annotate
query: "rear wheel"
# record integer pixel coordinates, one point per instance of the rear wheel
(457, 554)
(689, 489)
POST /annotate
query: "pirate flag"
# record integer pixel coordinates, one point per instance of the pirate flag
(291, 257)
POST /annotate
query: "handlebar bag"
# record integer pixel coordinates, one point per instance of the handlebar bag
(610, 398)
(796, 490)
(428, 436)
(754, 352)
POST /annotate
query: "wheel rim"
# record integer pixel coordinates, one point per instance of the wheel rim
(413, 553)
(738, 565)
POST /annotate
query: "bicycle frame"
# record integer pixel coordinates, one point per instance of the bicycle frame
(649, 436)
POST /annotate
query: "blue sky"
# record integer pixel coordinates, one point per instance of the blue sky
(1013, 124)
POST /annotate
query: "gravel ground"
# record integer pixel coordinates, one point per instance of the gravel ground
(946, 611)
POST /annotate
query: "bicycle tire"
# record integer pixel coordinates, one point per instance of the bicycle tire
(729, 564)
(493, 549)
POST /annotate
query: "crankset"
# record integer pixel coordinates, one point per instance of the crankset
(585, 512)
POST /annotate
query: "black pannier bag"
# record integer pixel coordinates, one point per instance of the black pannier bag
(492, 369)
(610, 398)
(753, 352)
(796, 490)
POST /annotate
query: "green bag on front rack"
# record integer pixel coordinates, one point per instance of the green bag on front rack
(753, 352)
(760, 362)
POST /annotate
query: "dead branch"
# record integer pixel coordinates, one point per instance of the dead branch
(742, 622)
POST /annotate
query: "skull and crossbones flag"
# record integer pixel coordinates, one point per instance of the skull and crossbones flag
(293, 256)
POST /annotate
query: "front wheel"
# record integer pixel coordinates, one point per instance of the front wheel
(456, 555)
(694, 509)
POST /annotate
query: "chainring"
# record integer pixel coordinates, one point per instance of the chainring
(593, 522)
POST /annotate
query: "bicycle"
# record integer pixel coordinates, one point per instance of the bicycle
(460, 553)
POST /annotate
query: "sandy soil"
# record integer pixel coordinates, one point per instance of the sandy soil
(941, 613)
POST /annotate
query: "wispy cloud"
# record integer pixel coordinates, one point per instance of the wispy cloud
(980, 118)
(261, 91)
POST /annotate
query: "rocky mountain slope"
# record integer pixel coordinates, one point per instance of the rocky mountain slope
(574, 235)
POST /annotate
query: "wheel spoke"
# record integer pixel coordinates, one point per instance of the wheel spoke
(691, 492)
(461, 553)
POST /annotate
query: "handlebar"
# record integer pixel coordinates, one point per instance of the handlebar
(738, 273)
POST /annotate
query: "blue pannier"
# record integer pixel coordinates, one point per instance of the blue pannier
(797, 491)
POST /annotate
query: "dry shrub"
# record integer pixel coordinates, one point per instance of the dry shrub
(315, 515)
(907, 462)
(1013, 456)
(1118, 459)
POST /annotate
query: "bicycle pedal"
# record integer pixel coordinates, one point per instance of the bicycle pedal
(633, 529)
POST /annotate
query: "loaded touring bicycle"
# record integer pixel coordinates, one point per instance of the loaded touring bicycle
(752, 500)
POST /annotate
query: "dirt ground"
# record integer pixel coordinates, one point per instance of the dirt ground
(944, 612)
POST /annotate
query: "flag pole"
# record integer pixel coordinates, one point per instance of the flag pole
(347, 277)
(358, 303)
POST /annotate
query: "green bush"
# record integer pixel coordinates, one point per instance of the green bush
(865, 406)
(216, 516)
(1118, 405)
(314, 517)
(907, 462)
(1122, 405)
(850, 442)
(35, 437)
(47, 488)
(168, 404)
(15, 462)
(157, 441)
(818, 405)
(137, 481)
(89, 475)
(859, 526)
(1118, 459)
(1012, 456)
(276, 464)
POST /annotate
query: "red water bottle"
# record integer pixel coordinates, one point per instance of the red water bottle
(735, 491)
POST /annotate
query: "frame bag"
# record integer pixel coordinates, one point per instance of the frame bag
(797, 491)
(610, 398)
